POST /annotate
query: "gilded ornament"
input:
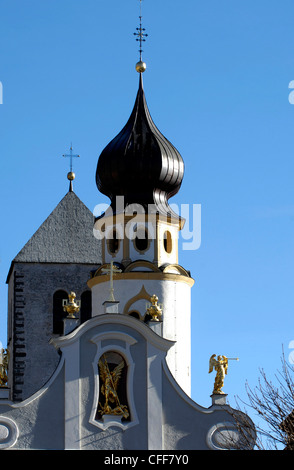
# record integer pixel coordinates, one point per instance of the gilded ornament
(154, 310)
(141, 66)
(221, 366)
(109, 387)
(71, 176)
(71, 306)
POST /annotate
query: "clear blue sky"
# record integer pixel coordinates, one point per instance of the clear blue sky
(217, 87)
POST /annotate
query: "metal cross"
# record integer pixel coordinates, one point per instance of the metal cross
(140, 32)
(71, 156)
(112, 269)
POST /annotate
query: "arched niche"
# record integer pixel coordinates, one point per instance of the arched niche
(113, 400)
(114, 347)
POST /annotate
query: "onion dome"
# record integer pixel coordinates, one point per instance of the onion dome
(140, 163)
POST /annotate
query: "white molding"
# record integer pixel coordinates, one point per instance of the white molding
(225, 426)
(154, 398)
(115, 319)
(13, 432)
(72, 400)
(39, 393)
(186, 397)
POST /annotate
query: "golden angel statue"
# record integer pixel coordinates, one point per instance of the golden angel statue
(221, 366)
(110, 380)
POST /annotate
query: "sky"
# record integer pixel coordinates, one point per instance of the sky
(217, 86)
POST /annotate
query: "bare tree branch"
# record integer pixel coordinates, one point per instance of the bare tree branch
(273, 404)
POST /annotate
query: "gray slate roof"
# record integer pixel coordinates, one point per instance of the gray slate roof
(66, 236)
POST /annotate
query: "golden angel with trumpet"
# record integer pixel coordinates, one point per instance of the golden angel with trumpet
(221, 366)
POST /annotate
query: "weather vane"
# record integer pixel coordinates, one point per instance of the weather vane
(140, 37)
(70, 175)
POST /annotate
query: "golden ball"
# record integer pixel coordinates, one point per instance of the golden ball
(71, 176)
(141, 66)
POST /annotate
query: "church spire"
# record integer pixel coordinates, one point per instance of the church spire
(140, 164)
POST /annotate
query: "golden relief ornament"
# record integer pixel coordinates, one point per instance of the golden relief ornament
(154, 310)
(4, 360)
(221, 366)
(71, 306)
(110, 381)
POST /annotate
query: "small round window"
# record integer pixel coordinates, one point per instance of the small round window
(167, 242)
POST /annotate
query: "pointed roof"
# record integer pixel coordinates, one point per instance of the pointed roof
(140, 163)
(66, 236)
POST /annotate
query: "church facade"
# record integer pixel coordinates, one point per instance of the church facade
(99, 316)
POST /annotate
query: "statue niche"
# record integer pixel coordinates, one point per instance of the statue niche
(112, 389)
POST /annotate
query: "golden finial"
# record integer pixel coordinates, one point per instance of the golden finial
(141, 35)
(154, 310)
(71, 175)
(141, 66)
(71, 306)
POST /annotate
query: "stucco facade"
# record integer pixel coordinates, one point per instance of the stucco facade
(62, 414)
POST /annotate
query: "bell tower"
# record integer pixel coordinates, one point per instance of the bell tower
(140, 170)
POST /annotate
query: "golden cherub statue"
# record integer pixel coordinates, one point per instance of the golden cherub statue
(72, 306)
(109, 386)
(154, 310)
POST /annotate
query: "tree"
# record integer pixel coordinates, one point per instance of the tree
(274, 405)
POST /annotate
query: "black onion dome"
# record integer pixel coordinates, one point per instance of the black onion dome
(140, 163)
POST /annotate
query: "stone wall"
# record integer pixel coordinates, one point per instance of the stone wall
(31, 289)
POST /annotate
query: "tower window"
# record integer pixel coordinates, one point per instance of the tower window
(86, 306)
(167, 242)
(113, 243)
(141, 240)
(58, 312)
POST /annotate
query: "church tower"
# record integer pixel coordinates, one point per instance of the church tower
(56, 260)
(99, 348)
(139, 170)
